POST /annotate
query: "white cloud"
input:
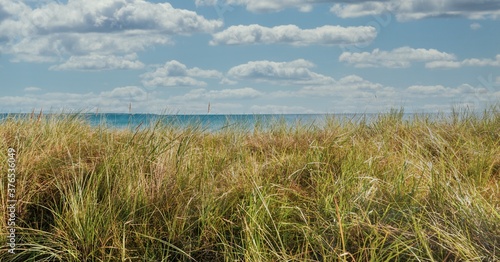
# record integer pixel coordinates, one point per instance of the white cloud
(473, 62)
(398, 58)
(116, 16)
(350, 94)
(100, 62)
(296, 72)
(126, 93)
(428, 90)
(227, 81)
(355, 94)
(238, 93)
(419, 9)
(482, 62)
(173, 73)
(359, 9)
(55, 31)
(459, 93)
(32, 89)
(475, 26)
(116, 100)
(273, 6)
(206, 2)
(293, 35)
(351, 86)
(174, 82)
(280, 109)
(443, 64)
(58, 46)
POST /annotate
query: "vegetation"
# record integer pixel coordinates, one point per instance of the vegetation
(359, 189)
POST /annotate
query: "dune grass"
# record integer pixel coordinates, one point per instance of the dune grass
(388, 189)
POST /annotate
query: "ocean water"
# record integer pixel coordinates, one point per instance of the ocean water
(209, 122)
(205, 122)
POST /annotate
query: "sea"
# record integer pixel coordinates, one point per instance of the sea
(209, 122)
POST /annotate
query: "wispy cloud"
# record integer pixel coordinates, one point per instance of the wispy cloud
(472, 62)
(203, 94)
(419, 9)
(100, 62)
(475, 26)
(280, 109)
(403, 10)
(32, 89)
(348, 94)
(398, 58)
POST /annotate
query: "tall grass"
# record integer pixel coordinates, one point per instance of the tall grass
(389, 189)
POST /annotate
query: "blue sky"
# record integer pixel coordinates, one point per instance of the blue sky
(248, 56)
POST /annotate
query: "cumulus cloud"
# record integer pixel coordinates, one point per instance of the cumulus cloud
(398, 58)
(293, 35)
(296, 72)
(272, 6)
(57, 46)
(100, 62)
(53, 31)
(472, 62)
(173, 73)
(419, 9)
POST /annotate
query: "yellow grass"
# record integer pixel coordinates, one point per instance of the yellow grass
(423, 189)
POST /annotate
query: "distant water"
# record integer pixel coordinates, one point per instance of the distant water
(208, 122)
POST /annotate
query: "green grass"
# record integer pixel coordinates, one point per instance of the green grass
(425, 189)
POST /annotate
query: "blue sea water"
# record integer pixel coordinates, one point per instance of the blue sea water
(209, 122)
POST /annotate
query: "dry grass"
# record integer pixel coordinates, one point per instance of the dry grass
(425, 189)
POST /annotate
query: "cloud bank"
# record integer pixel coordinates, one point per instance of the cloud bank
(174, 74)
(293, 35)
(403, 10)
(83, 30)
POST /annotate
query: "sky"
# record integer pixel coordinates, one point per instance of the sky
(248, 56)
